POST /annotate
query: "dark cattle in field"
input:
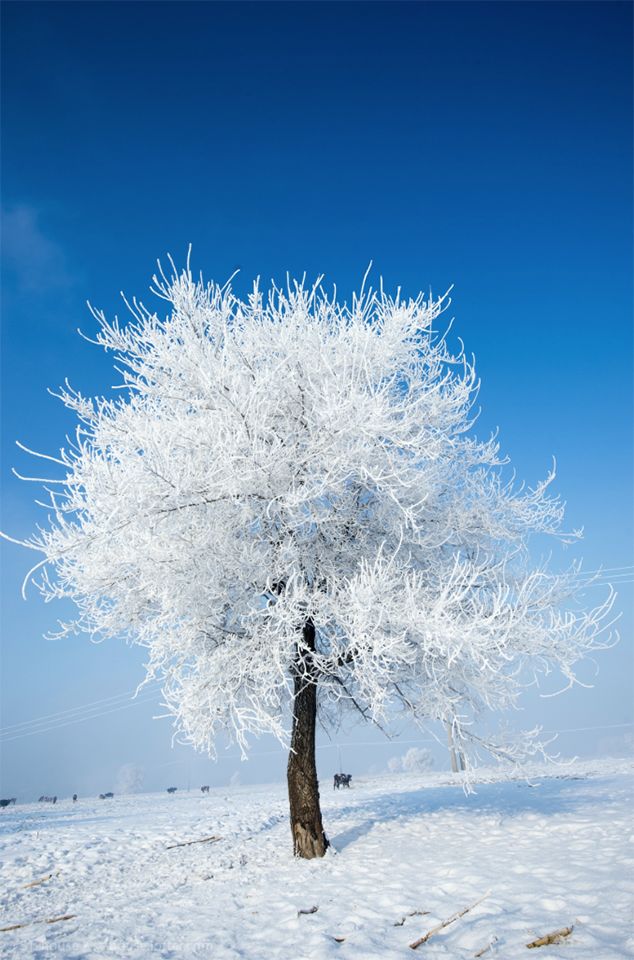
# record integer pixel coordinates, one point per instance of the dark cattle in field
(204, 789)
(342, 780)
(172, 789)
(74, 797)
(6, 803)
(106, 796)
(45, 799)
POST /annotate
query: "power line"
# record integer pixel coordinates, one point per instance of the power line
(601, 574)
(607, 578)
(396, 742)
(591, 582)
(63, 714)
(607, 726)
(80, 719)
(627, 566)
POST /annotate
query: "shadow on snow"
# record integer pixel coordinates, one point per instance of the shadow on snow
(544, 798)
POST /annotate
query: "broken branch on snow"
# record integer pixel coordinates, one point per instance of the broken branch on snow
(18, 926)
(555, 937)
(188, 843)
(35, 883)
(445, 923)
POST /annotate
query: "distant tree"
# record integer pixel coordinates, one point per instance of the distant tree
(130, 778)
(286, 508)
(414, 760)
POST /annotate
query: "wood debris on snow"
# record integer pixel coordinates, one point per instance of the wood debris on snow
(188, 843)
(555, 937)
(35, 883)
(28, 923)
(445, 923)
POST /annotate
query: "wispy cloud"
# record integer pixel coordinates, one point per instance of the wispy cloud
(31, 259)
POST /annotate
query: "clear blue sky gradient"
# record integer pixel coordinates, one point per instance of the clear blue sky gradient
(483, 145)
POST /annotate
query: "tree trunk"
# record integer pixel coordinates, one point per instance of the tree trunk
(309, 839)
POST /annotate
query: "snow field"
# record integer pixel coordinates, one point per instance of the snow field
(552, 853)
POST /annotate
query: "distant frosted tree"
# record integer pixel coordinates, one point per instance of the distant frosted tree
(130, 778)
(285, 506)
(395, 765)
(417, 760)
(414, 760)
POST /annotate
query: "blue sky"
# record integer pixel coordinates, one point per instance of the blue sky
(483, 145)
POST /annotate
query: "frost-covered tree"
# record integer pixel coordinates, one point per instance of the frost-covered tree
(130, 778)
(414, 760)
(286, 507)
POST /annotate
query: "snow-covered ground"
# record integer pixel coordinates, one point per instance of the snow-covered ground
(553, 852)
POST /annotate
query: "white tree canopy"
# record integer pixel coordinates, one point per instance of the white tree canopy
(287, 459)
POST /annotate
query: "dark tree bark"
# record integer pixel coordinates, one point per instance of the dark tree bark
(309, 839)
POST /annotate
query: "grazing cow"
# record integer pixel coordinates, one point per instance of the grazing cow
(342, 780)
(106, 796)
(172, 789)
(204, 789)
(74, 798)
(45, 799)
(6, 803)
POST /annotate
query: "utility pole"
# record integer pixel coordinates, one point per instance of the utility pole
(452, 750)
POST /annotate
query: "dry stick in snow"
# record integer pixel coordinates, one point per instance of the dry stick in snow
(188, 843)
(555, 937)
(18, 926)
(445, 923)
(34, 883)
